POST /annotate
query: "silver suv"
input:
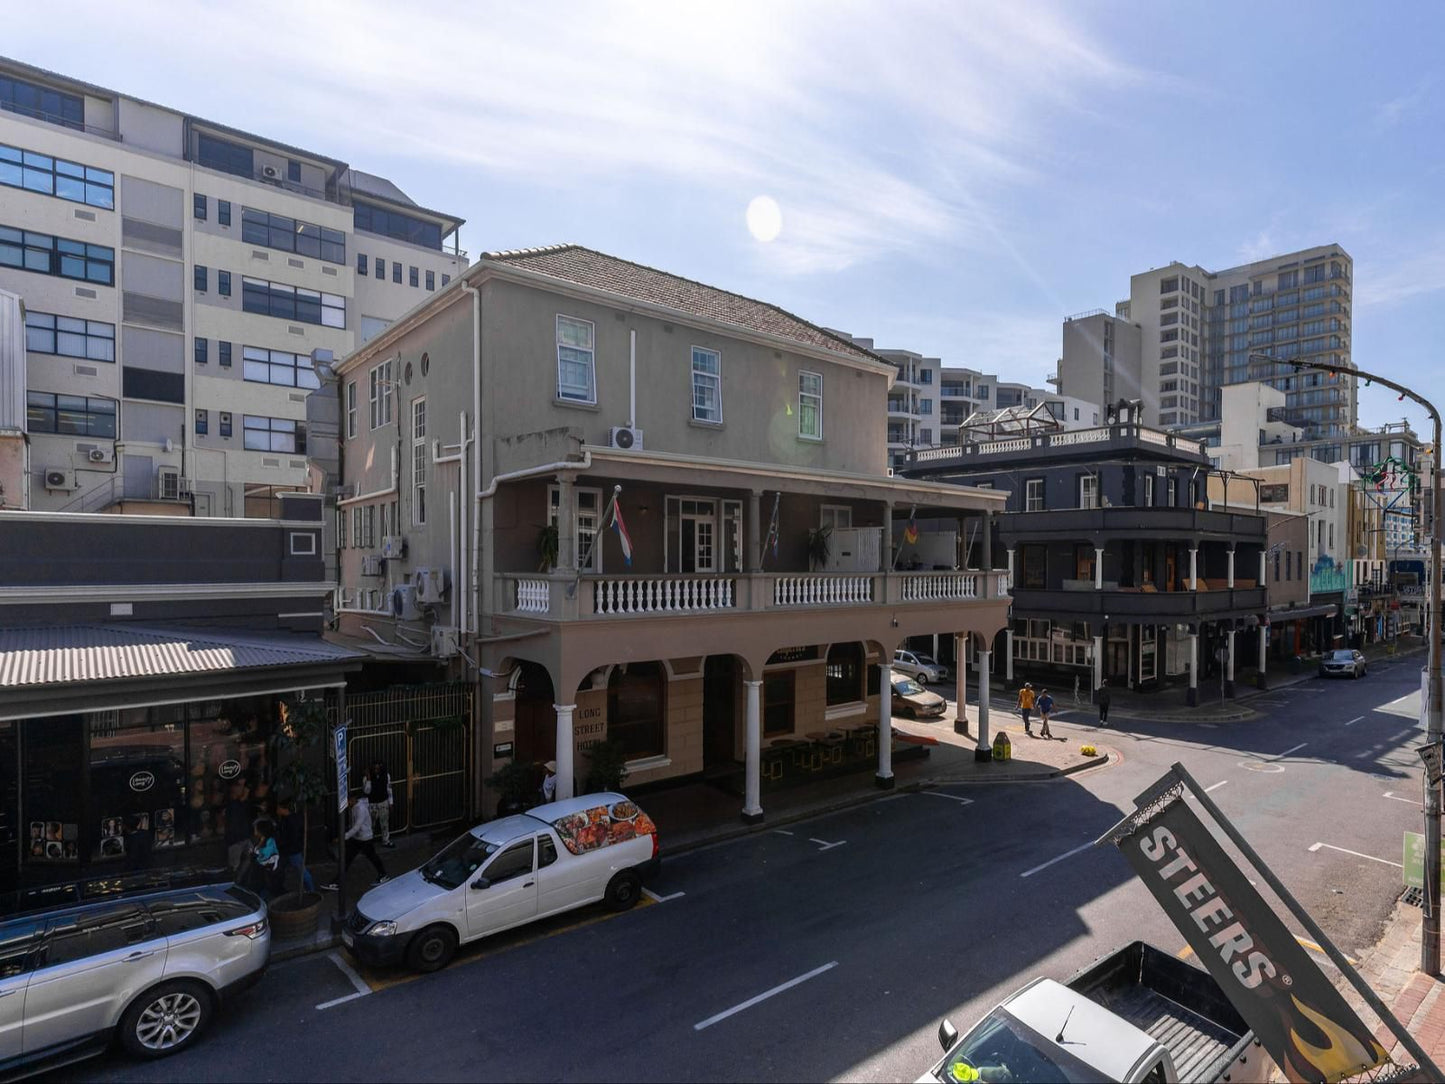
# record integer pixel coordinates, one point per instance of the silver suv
(148, 970)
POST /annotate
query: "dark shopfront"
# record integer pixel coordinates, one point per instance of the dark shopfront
(110, 799)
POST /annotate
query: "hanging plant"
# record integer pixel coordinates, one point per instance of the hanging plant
(547, 540)
(820, 546)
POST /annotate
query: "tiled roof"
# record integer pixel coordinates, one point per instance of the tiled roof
(587, 267)
(67, 654)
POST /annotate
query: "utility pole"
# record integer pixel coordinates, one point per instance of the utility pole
(1430, 919)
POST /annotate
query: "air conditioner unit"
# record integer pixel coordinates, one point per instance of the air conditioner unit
(393, 547)
(99, 455)
(371, 565)
(404, 604)
(622, 436)
(271, 173)
(431, 584)
(444, 641)
(59, 478)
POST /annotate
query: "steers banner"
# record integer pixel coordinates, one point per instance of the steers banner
(1295, 1011)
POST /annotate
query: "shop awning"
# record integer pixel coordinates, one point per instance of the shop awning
(1328, 609)
(59, 669)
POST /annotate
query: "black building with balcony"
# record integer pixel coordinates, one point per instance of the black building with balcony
(1121, 571)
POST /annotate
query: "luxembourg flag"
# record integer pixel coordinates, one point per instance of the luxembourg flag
(910, 533)
(624, 539)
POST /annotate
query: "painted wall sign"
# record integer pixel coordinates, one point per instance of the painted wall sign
(142, 781)
(501, 750)
(793, 654)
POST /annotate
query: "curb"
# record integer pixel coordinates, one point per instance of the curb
(292, 950)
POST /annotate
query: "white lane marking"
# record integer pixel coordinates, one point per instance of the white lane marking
(1357, 854)
(750, 1002)
(1362, 754)
(1396, 797)
(1216, 786)
(824, 845)
(1262, 766)
(782, 831)
(655, 898)
(1060, 858)
(356, 980)
(1287, 752)
(1352, 722)
(950, 797)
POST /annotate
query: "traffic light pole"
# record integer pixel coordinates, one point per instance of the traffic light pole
(1430, 919)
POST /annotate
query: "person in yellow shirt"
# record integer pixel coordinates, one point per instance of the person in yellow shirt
(1026, 705)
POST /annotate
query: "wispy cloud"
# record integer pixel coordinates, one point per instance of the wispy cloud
(1381, 283)
(1391, 113)
(879, 129)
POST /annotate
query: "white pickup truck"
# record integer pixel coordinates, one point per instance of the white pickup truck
(1136, 1015)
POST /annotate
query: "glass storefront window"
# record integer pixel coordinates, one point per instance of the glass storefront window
(137, 780)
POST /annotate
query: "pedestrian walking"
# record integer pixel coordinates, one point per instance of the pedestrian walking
(1026, 705)
(359, 839)
(237, 825)
(1103, 703)
(1045, 704)
(290, 833)
(377, 788)
(549, 783)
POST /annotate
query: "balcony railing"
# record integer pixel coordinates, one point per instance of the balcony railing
(1163, 606)
(558, 597)
(1070, 438)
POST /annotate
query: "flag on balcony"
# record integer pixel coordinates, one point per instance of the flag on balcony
(772, 541)
(623, 538)
(910, 533)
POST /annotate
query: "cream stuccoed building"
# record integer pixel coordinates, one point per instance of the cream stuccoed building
(178, 279)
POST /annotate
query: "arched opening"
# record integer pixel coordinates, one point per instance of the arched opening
(637, 709)
(536, 718)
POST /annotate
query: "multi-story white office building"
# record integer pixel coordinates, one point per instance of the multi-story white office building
(1197, 331)
(929, 400)
(178, 278)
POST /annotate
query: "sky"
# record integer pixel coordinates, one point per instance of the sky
(952, 178)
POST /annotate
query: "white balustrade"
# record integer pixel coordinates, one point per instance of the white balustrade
(1004, 585)
(663, 594)
(939, 586)
(817, 590)
(533, 596)
(1153, 436)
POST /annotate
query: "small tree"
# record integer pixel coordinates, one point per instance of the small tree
(302, 731)
(516, 785)
(607, 767)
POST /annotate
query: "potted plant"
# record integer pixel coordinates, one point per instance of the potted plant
(547, 548)
(607, 767)
(820, 546)
(303, 775)
(516, 785)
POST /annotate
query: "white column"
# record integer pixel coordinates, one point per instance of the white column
(885, 725)
(752, 772)
(1010, 564)
(566, 773)
(1229, 666)
(960, 683)
(1008, 662)
(1231, 568)
(1262, 555)
(1193, 568)
(1263, 647)
(1098, 660)
(1098, 568)
(984, 749)
(1193, 695)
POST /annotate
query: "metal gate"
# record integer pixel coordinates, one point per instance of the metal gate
(423, 735)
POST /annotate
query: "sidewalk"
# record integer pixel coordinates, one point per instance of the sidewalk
(699, 814)
(1418, 1000)
(1168, 704)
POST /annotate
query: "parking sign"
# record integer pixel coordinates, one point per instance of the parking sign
(341, 768)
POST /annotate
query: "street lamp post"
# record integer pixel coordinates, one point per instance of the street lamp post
(1430, 920)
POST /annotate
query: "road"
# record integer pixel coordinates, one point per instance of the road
(831, 949)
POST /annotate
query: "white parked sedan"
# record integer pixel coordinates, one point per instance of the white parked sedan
(1344, 662)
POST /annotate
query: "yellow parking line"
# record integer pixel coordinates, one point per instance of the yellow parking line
(491, 946)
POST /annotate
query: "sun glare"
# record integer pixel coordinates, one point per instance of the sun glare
(765, 218)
